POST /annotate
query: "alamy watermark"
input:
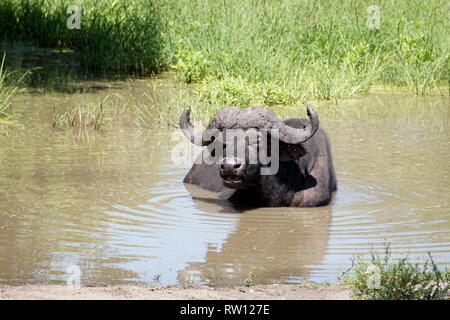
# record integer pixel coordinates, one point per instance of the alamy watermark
(74, 20)
(374, 17)
(374, 279)
(74, 280)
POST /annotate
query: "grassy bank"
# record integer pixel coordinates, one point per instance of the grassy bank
(124, 36)
(253, 52)
(273, 52)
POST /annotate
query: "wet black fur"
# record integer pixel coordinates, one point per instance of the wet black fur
(307, 181)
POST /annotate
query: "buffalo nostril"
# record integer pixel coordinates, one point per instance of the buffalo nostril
(222, 166)
(237, 165)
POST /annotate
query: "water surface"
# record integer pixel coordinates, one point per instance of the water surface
(114, 204)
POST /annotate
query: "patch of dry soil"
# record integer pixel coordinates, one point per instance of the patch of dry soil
(269, 292)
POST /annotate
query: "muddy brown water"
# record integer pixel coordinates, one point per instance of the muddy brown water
(113, 203)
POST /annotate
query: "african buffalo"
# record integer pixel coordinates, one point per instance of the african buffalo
(299, 152)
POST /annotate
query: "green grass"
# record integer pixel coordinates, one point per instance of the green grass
(253, 52)
(251, 277)
(114, 111)
(124, 36)
(381, 278)
(9, 89)
(87, 117)
(306, 49)
(6, 93)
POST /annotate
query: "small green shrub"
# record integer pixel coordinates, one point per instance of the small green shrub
(251, 277)
(383, 279)
(239, 92)
(191, 66)
(228, 92)
(273, 94)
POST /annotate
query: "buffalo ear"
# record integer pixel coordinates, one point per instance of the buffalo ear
(305, 160)
(289, 152)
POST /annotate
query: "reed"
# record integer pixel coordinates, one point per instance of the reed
(91, 117)
(9, 89)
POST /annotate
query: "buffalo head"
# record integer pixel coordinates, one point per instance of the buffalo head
(243, 141)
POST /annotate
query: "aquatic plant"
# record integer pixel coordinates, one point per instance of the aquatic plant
(380, 278)
(5, 93)
(8, 91)
(91, 116)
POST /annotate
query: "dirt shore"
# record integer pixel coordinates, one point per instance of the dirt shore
(271, 292)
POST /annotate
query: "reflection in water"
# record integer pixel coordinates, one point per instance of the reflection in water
(280, 244)
(115, 205)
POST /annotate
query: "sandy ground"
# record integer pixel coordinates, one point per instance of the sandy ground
(272, 292)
